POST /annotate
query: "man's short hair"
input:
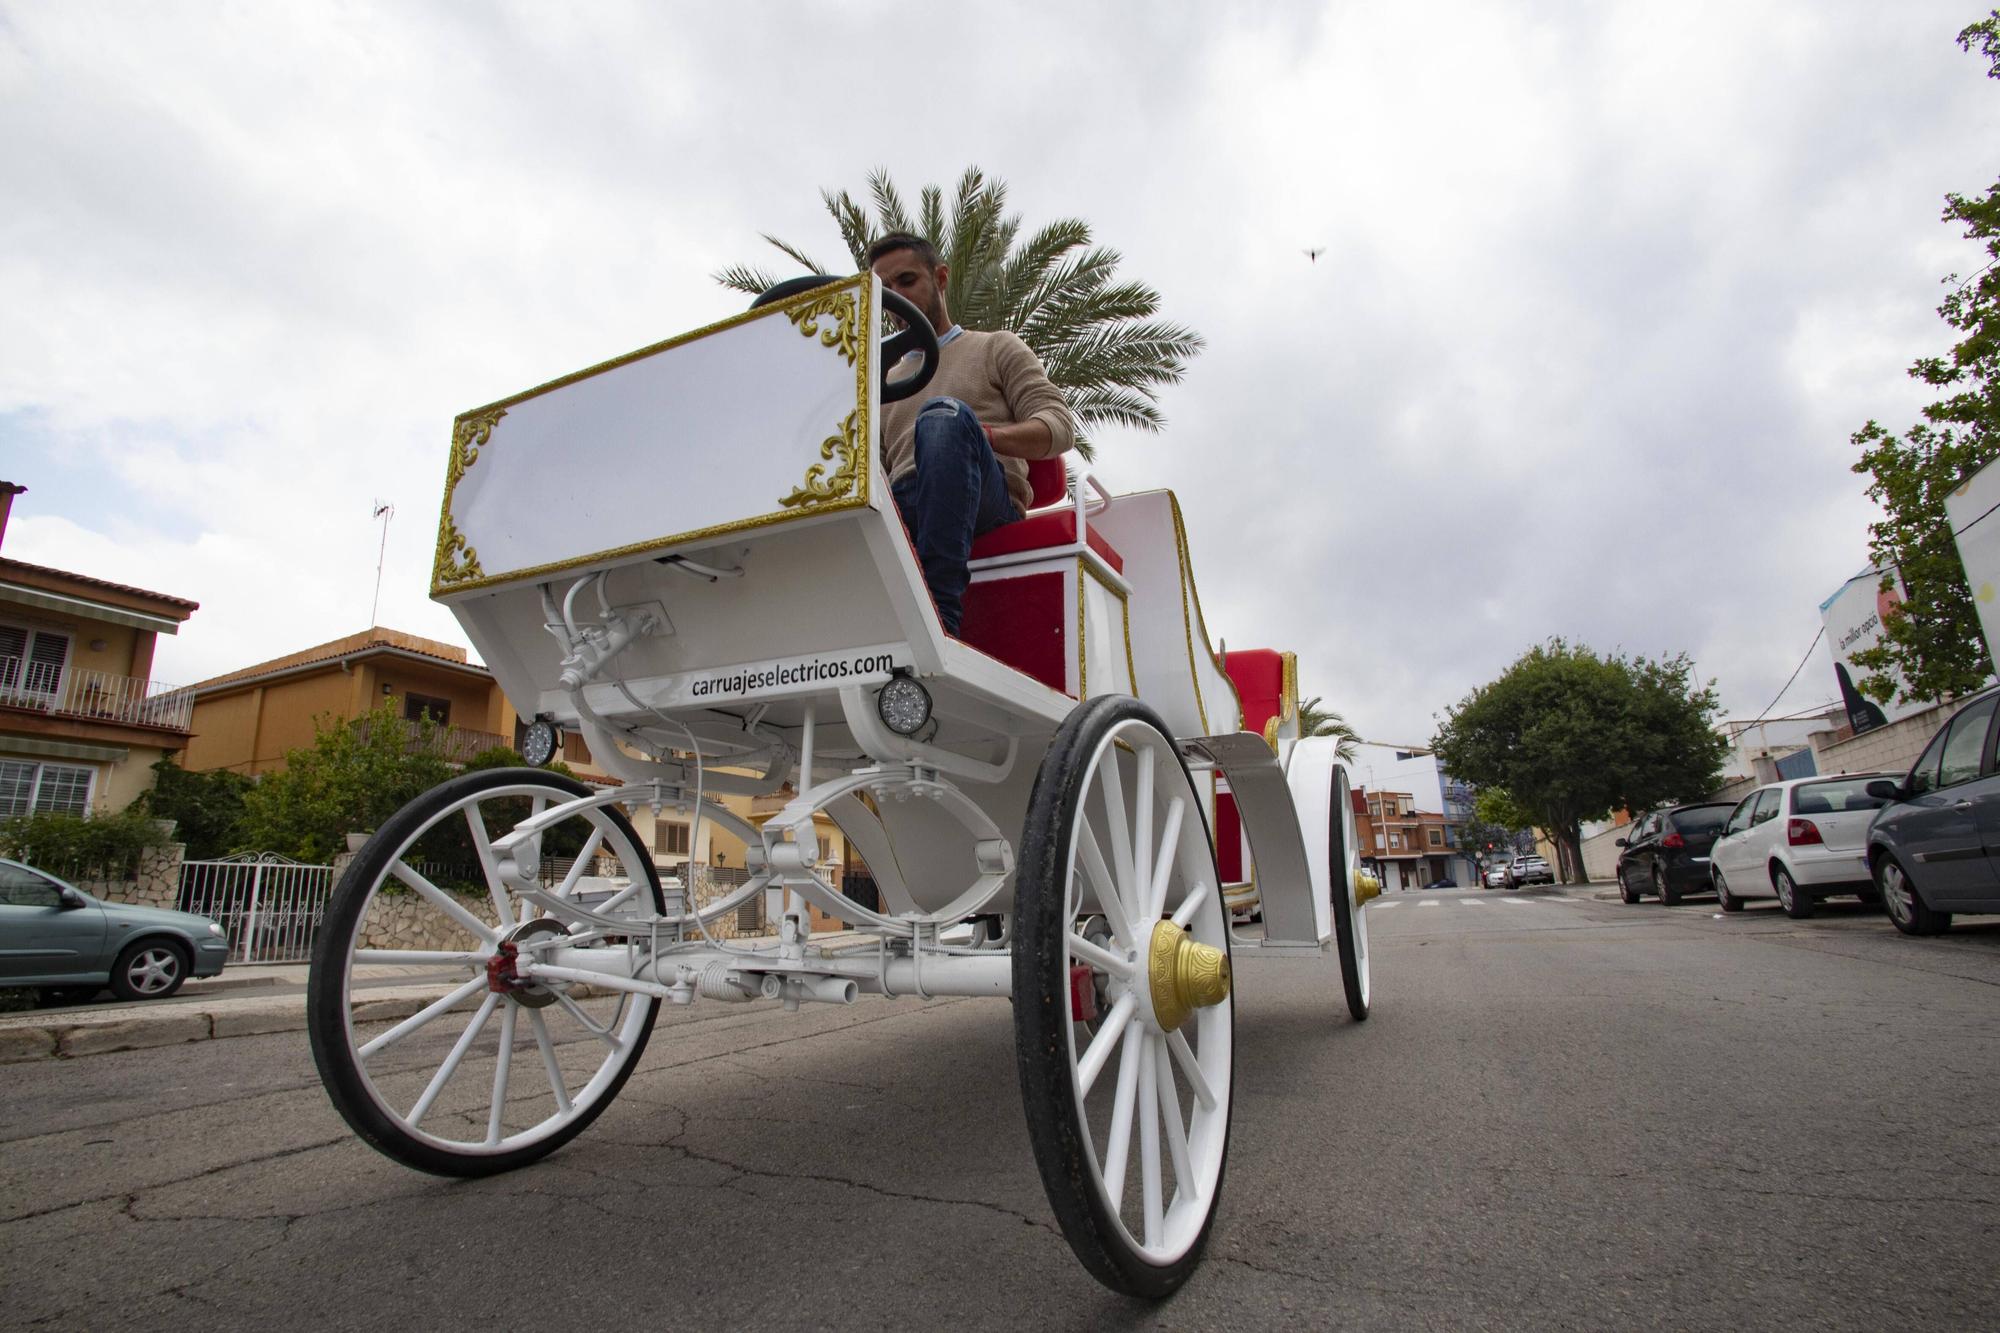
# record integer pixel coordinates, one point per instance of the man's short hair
(904, 240)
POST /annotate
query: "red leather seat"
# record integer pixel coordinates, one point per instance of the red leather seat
(1259, 677)
(1048, 482)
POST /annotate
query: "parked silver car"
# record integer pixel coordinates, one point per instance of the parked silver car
(55, 935)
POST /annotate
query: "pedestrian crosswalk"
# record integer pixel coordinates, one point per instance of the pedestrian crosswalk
(1384, 904)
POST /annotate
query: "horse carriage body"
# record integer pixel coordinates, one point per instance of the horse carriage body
(690, 556)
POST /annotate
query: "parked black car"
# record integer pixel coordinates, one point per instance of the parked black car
(1931, 848)
(1666, 853)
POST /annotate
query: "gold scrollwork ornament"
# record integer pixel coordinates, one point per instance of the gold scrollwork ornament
(821, 487)
(844, 336)
(457, 561)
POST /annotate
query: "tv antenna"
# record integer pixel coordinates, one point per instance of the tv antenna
(384, 511)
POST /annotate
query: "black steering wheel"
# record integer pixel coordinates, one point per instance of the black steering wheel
(916, 336)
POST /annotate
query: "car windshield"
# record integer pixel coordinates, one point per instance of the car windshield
(1826, 798)
(1702, 819)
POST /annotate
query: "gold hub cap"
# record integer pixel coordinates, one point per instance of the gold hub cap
(1366, 886)
(1184, 975)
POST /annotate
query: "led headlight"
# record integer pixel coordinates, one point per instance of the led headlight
(538, 742)
(904, 705)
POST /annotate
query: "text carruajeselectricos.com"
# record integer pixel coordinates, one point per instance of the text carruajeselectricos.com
(804, 672)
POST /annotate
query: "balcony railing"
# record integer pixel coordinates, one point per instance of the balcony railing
(96, 695)
(457, 744)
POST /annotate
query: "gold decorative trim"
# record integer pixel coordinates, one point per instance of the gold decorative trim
(819, 488)
(1083, 567)
(844, 336)
(456, 562)
(1271, 734)
(1188, 623)
(861, 285)
(1288, 700)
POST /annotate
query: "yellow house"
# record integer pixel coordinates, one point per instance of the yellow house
(81, 720)
(247, 719)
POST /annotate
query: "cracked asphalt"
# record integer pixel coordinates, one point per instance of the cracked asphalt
(1564, 1113)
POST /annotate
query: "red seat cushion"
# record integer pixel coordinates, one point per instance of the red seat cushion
(1259, 676)
(1054, 527)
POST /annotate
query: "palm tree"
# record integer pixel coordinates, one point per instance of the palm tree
(1098, 339)
(1317, 721)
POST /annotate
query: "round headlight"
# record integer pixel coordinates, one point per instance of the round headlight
(215, 929)
(538, 742)
(904, 705)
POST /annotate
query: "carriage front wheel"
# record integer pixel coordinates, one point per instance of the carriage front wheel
(488, 1075)
(1123, 1009)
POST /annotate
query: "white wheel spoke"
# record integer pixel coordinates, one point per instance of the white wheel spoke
(500, 1070)
(583, 859)
(423, 1016)
(1116, 829)
(452, 1061)
(1086, 952)
(1108, 1036)
(549, 1059)
(1122, 1106)
(1163, 861)
(490, 868)
(1142, 838)
(443, 901)
(1191, 1070)
(1108, 901)
(1170, 1108)
(413, 957)
(1192, 903)
(1149, 1145)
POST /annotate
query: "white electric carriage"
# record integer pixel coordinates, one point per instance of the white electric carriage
(690, 556)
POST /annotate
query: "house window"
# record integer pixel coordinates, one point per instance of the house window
(670, 839)
(31, 664)
(416, 706)
(1436, 837)
(1395, 840)
(28, 788)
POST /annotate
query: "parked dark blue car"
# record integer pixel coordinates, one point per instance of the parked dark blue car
(1931, 848)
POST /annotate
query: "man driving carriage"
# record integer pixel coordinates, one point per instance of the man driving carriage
(958, 460)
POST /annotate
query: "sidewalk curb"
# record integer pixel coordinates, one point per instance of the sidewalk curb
(68, 1037)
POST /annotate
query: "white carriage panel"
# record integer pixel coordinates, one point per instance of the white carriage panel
(1178, 673)
(763, 419)
(1105, 660)
(1312, 772)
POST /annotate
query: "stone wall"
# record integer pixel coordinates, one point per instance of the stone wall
(158, 883)
(1890, 749)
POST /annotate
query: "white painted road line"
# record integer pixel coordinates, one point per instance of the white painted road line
(1429, 902)
(1386, 902)
(1515, 902)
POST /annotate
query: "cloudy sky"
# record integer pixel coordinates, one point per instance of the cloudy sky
(1605, 287)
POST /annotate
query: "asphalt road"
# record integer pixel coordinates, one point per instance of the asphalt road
(1564, 1113)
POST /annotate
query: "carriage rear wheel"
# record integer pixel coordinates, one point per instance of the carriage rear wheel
(485, 1076)
(1350, 923)
(1116, 833)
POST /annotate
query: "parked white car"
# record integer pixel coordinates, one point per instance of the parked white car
(1797, 841)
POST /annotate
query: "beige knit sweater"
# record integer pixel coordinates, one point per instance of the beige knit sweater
(1002, 381)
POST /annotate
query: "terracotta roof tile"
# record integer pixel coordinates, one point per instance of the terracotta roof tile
(7, 562)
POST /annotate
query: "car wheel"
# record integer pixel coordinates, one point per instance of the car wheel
(1730, 902)
(1669, 892)
(149, 970)
(1905, 907)
(1625, 889)
(1798, 904)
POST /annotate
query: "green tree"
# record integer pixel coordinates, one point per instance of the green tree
(79, 847)
(1568, 735)
(352, 777)
(207, 808)
(1317, 721)
(1933, 637)
(1097, 337)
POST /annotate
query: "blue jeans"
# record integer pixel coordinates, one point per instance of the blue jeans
(958, 492)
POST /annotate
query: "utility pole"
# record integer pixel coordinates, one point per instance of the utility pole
(384, 511)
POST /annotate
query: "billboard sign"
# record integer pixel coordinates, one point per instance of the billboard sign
(1975, 526)
(1853, 620)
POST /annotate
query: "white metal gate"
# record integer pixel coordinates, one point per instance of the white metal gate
(269, 904)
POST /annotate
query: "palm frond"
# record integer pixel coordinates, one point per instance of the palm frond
(796, 255)
(743, 278)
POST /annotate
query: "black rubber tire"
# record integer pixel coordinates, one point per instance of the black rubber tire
(1729, 901)
(326, 1000)
(1914, 919)
(170, 954)
(1625, 889)
(1041, 1012)
(1665, 889)
(1344, 935)
(1798, 903)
